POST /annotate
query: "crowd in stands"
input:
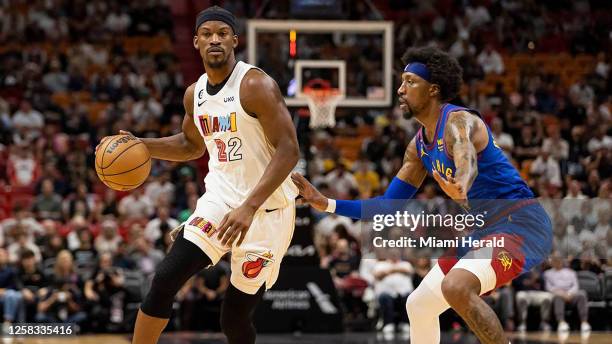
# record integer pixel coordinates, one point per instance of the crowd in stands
(72, 72)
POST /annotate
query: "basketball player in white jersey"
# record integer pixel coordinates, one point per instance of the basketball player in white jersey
(237, 113)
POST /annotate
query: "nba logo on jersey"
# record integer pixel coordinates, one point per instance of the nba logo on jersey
(215, 124)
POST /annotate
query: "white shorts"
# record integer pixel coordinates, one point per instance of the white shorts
(257, 260)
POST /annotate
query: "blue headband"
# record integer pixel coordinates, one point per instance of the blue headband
(418, 69)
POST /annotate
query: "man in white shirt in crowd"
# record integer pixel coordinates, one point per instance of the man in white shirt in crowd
(392, 286)
(563, 283)
(158, 227)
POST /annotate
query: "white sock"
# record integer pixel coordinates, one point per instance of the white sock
(424, 306)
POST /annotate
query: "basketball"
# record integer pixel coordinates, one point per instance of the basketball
(123, 162)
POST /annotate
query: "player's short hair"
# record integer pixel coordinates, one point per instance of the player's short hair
(444, 69)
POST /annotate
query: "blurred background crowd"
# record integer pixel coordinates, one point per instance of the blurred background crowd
(72, 72)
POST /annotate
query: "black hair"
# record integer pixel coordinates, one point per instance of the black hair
(27, 253)
(444, 69)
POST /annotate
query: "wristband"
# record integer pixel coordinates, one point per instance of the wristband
(331, 205)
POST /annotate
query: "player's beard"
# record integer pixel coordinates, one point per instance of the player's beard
(408, 114)
(217, 63)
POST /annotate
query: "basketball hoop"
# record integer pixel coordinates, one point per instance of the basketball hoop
(322, 103)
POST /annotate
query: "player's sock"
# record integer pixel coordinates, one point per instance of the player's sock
(424, 306)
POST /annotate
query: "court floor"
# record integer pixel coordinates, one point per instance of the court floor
(346, 338)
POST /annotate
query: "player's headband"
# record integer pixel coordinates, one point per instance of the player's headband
(216, 13)
(418, 69)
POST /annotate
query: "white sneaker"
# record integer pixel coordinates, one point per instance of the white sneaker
(522, 328)
(585, 327)
(563, 327)
(404, 328)
(389, 328)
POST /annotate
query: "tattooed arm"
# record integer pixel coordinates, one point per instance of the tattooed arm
(465, 135)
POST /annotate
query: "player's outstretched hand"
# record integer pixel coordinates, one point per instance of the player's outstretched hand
(235, 224)
(309, 192)
(452, 188)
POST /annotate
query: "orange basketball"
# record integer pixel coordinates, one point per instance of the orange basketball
(123, 162)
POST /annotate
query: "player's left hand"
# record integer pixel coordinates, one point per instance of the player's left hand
(452, 188)
(235, 224)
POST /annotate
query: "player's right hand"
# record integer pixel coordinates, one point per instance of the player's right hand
(309, 192)
(121, 132)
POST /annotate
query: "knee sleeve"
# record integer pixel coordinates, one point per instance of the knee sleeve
(183, 260)
(237, 315)
(424, 305)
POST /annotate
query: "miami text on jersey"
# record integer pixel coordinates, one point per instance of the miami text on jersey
(214, 124)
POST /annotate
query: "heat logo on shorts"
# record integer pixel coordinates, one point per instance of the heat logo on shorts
(505, 260)
(255, 263)
(205, 226)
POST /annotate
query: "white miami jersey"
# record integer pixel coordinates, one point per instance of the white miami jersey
(238, 148)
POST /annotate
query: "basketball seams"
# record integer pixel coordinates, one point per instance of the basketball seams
(102, 159)
(130, 170)
(118, 155)
(98, 150)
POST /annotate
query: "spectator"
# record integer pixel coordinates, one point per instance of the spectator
(159, 226)
(106, 295)
(581, 94)
(23, 169)
(136, 205)
(562, 282)
(547, 168)
(341, 181)
(490, 61)
(527, 145)
(344, 267)
(10, 297)
(600, 140)
(32, 283)
(146, 256)
(109, 238)
(555, 145)
(503, 140)
(122, 258)
(23, 243)
(62, 301)
(529, 291)
(367, 179)
(85, 253)
(109, 203)
(28, 121)
(55, 80)
(161, 189)
(392, 286)
(209, 288)
(48, 205)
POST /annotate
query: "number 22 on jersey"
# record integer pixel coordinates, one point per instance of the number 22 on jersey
(233, 154)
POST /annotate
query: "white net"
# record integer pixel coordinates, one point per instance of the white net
(322, 105)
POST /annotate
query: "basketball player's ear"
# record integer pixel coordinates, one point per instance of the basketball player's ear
(235, 41)
(434, 90)
(195, 42)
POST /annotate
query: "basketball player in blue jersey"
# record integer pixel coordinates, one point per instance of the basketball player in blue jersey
(456, 147)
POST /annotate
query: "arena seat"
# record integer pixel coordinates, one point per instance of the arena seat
(592, 285)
